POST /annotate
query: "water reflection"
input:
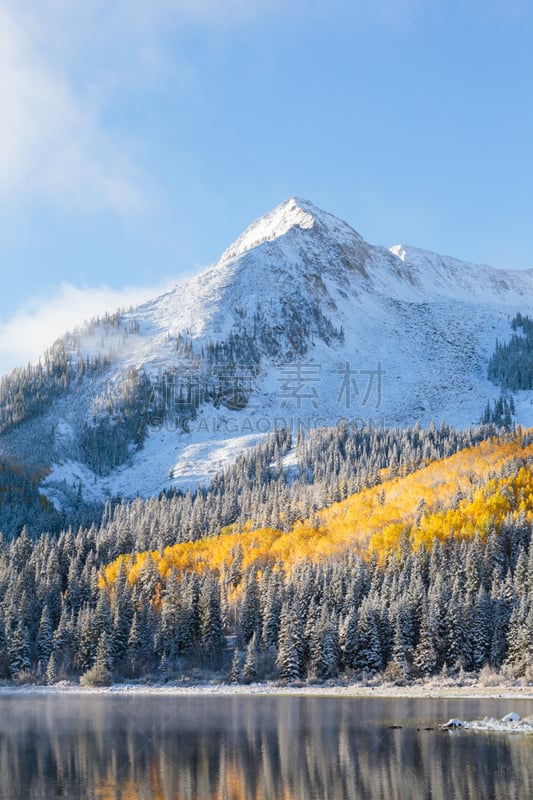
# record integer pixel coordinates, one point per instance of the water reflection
(253, 748)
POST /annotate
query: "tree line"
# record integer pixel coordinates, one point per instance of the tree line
(459, 605)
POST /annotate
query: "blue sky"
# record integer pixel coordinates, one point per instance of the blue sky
(138, 139)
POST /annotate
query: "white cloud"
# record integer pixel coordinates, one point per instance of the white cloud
(52, 142)
(36, 325)
(97, 23)
(62, 65)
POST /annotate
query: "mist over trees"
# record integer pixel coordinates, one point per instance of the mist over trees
(113, 404)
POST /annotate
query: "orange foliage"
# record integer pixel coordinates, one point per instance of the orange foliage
(470, 492)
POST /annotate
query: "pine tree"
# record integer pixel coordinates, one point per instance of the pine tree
(4, 656)
(348, 640)
(189, 615)
(138, 646)
(480, 630)
(104, 652)
(520, 640)
(500, 616)
(529, 578)
(100, 673)
(249, 671)
(102, 617)
(250, 617)
(86, 639)
(44, 637)
(520, 578)
(121, 614)
(473, 566)
(51, 670)
(19, 650)
(234, 576)
(425, 655)
(325, 647)
(369, 646)
(212, 637)
(271, 615)
(235, 673)
(330, 656)
(61, 641)
(399, 669)
(288, 660)
(458, 631)
(170, 614)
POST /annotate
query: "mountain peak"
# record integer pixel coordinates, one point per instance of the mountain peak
(295, 212)
(295, 328)
(289, 214)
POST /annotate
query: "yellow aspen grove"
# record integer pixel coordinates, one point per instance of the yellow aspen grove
(494, 480)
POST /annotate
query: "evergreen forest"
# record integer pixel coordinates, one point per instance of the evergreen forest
(402, 553)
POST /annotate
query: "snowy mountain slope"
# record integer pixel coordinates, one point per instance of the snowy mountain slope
(300, 323)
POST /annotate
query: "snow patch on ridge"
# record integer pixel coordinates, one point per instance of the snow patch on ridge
(399, 251)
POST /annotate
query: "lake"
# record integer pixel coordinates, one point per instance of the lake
(176, 747)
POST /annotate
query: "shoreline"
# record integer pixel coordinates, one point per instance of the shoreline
(427, 691)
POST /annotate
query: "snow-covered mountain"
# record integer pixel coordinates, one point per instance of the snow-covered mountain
(300, 323)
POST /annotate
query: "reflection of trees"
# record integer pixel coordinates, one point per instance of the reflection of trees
(244, 748)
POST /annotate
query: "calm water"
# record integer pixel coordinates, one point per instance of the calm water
(256, 748)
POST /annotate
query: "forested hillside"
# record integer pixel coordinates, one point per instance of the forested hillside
(511, 365)
(472, 492)
(363, 552)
